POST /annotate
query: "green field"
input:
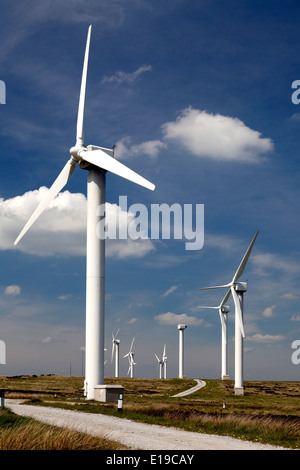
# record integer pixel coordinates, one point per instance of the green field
(269, 412)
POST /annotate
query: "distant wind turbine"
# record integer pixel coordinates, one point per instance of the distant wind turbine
(115, 350)
(97, 161)
(162, 364)
(223, 312)
(130, 356)
(181, 329)
(237, 290)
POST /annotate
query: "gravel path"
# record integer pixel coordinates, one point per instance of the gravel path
(132, 434)
(200, 384)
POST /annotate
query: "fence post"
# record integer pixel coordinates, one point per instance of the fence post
(120, 402)
(2, 398)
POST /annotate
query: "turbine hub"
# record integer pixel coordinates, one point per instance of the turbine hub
(76, 150)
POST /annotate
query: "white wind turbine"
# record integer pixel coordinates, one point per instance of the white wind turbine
(130, 356)
(97, 161)
(181, 329)
(115, 350)
(223, 313)
(160, 364)
(237, 290)
(164, 358)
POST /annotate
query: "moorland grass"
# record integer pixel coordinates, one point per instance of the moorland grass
(20, 433)
(269, 412)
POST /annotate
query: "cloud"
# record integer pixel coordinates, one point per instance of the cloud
(216, 136)
(64, 297)
(123, 77)
(268, 312)
(170, 318)
(169, 291)
(47, 340)
(12, 290)
(132, 320)
(267, 261)
(61, 229)
(259, 338)
(289, 296)
(295, 318)
(124, 149)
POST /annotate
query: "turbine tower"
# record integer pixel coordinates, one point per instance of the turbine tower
(130, 356)
(223, 311)
(181, 329)
(161, 365)
(115, 349)
(237, 290)
(164, 358)
(97, 161)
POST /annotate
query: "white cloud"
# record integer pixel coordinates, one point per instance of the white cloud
(268, 312)
(267, 261)
(12, 290)
(47, 340)
(295, 318)
(132, 320)
(170, 318)
(61, 229)
(169, 291)
(121, 77)
(124, 149)
(216, 136)
(259, 338)
(289, 296)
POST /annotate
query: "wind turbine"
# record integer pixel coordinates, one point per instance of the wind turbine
(97, 161)
(237, 290)
(223, 311)
(181, 329)
(164, 358)
(115, 348)
(161, 364)
(130, 356)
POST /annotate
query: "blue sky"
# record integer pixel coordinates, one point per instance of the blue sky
(197, 98)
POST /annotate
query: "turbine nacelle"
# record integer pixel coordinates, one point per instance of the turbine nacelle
(240, 286)
(225, 309)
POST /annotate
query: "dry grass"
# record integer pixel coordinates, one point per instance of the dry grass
(268, 412)
(27, 434)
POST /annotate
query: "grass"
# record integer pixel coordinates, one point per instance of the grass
(20, 433)
(269, 412)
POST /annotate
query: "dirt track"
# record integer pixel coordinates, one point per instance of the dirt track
(132, 434)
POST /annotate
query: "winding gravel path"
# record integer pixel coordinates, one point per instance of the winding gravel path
(200, 384)
(132, 434)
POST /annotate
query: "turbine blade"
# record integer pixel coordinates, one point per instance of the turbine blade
(112, 351)
(223, 324)
(225, 298)
(215, 287)
(205, 306)
(56, 187)
(238, 311)
(131, 346)
(243, 263)
(164, 351)
(108, 163)
(80, 115)
(157, 358)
